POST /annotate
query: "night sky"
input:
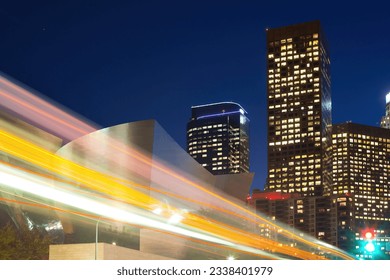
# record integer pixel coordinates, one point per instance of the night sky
(122, 61)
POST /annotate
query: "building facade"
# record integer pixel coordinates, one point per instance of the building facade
(361, 168)
(385, 122)
(218, 137)
(327, 218)
(299, 109)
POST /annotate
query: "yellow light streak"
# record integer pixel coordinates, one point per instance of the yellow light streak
(107, 184)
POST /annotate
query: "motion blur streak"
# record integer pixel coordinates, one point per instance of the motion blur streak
(96, 218)
(22, 102)
(203, 213)
(106, 184)
(215, 227)
(36, 186)
(37, 156)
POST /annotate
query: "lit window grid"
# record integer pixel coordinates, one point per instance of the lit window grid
(300, 83)
(360, 166)
(385, 122)
(209, 140)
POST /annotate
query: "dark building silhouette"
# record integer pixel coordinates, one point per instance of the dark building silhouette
(218, 137)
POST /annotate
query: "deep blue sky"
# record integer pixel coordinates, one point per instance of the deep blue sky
(123, 61)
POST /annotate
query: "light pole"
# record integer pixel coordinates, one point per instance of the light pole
(96, 238)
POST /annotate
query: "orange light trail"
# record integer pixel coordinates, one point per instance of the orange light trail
(72, 124)
(99, 218)
(236, 207)
(19, 100)
(35, 155)
(44, 159)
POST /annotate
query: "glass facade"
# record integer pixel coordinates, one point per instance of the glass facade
(218, 137)
(299, 109)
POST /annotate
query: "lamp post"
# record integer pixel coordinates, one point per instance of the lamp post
(96, 238)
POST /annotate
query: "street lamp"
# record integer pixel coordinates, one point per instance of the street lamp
(96, 238)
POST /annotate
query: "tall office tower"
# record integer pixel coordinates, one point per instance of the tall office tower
(299, 109)
(385, 122)
(218, 137)
(361, 168)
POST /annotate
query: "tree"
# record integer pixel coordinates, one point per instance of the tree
(23, 243)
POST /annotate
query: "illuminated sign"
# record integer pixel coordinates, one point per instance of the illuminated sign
(388, 98)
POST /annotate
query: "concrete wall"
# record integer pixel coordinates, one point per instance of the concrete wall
(86, 251)
(163, 244)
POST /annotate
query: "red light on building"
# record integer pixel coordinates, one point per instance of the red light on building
(273, 195)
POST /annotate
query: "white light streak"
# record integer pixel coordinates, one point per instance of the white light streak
(175, 218)
(35, 185)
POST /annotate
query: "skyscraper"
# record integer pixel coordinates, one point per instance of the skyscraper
(299, 109)
(218, 137)
(385, 122)
(361, 168)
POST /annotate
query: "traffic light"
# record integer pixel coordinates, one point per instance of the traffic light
(370, 247)
(369, 235)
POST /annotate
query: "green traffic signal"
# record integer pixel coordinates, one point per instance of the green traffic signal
(370, 247)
